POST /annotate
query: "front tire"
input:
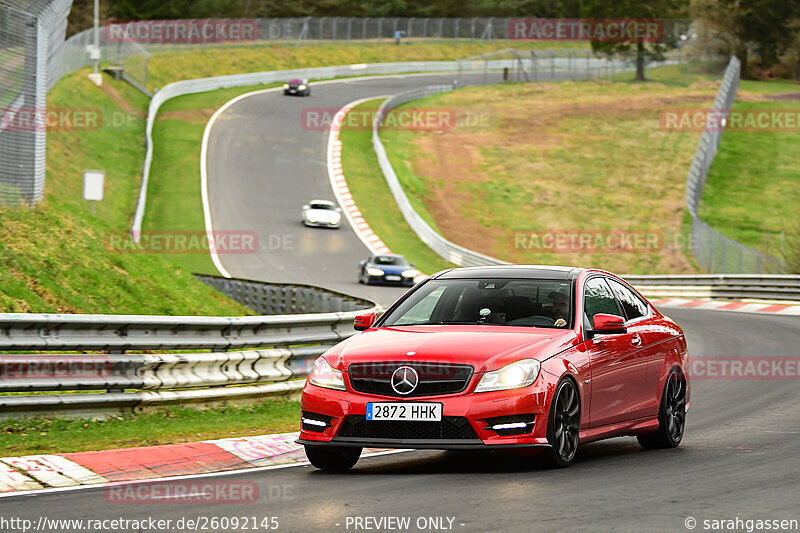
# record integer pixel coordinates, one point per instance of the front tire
(563, 425)
(333, 458)
(671, 415)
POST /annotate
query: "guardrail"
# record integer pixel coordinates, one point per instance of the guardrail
(779, 288)
(284, 298)
(185, 87)
(449, 251)
(228, 373)
(714, 251)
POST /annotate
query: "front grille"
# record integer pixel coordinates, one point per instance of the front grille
(434, 378)
(451, 428)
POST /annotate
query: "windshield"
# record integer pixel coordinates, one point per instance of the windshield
(505, 302)
(389, 260)
(328, 207)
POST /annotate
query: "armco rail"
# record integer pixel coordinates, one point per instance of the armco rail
(181, 88)
(779, 288)
(449, 251)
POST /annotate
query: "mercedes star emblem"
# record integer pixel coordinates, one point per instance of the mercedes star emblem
(404, 380)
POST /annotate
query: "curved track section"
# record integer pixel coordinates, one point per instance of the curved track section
(738, 459)
(264, 162)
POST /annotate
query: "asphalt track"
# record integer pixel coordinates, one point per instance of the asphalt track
(740, 456)
(264, 162)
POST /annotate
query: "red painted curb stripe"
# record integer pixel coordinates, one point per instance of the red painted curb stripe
(733, 305)
(777, 308)
(157, 461)
(694, 303)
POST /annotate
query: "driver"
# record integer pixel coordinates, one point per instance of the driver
(560, 308)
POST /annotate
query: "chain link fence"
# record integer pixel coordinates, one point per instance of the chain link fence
(31, 37)
(715, 252)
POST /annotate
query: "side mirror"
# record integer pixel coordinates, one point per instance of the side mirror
(364, 321)
(305, 206)
(338, 209)
(412, 264)
(363, 262)
(608, 324)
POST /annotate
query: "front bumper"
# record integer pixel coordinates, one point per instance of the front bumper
(383, 280)
(476, 409)
(319, 224)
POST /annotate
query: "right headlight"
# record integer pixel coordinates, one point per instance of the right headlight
(514, 376)
(324, 375)
(372, 271)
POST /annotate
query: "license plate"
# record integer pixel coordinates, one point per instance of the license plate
(393, 278)
(410, 411)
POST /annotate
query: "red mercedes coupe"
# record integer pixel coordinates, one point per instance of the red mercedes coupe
(501, 357)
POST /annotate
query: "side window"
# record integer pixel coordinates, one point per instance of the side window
(633, 306)
(598, 298)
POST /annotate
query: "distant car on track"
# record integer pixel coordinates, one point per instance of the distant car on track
(297, 87)
(386, 269)
(487, 358)
(322, 213)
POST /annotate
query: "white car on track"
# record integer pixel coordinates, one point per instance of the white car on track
(322, 214)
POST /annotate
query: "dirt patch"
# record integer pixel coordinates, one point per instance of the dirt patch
(785, 97)
(119, 100)
(567, 162)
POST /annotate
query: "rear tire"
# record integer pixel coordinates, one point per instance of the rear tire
(563, 426)
(333, 458)
(671, 415)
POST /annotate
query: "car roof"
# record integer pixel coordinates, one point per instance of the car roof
(513, 271)
(326, 202)
(388, 255)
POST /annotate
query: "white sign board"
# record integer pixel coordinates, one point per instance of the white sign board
(93, 184)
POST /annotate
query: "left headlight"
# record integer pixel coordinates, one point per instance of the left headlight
(324, 375)
(514, 376)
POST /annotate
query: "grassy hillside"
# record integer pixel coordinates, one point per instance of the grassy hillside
(168, 66)
(558, 160)
(752, 193)
(56, 257)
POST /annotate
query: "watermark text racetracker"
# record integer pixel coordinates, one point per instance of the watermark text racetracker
(750, 120)
(589, 241)
(67, 119)
(182, 31)
(767, 368)
(407, 118)
(193, 242)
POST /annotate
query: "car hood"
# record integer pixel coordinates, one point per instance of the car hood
(324, 214)
(391, 269)
(486, 348)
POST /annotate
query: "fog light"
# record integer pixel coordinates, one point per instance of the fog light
(315, 421)
(504, 426)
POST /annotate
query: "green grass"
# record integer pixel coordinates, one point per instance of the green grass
(174, 202)
(55, 257)
(752, 193)
(374, 199)
(167, 67)
(584, 155)
(24, 436)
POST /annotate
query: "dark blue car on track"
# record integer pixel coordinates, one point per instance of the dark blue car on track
(386, 269)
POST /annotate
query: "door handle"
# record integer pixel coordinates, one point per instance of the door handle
(636, 340)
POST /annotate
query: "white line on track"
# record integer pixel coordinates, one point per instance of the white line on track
(207, 134)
